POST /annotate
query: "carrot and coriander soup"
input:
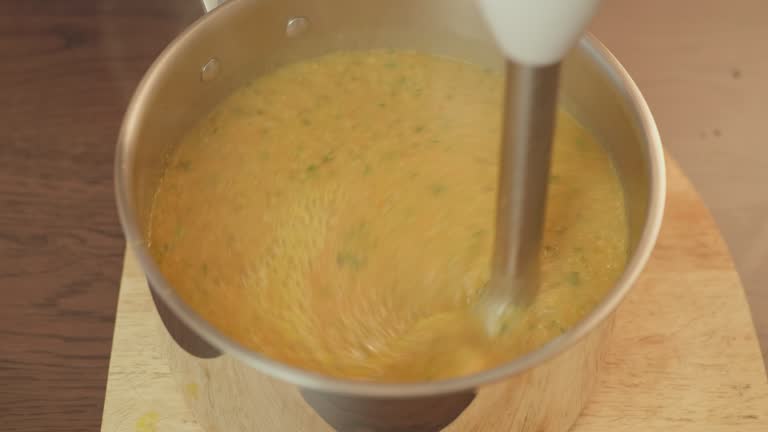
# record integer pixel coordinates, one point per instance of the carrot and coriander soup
(337, 215)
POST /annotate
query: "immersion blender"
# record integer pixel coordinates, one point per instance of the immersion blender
(534, 36)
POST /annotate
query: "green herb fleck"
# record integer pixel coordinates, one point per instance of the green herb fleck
(437, 189)
(390, 65)
(311, 169)
(350, 260)
(579, 251)
(179, 234)
(306, 122)
(359, 229)
(478, 234)
(328, 157)
(391, 154)
(574, 278)
(367, 170)
(505, 325)
(418, 129)
(382, 105)
(557, 325)
(184, 165)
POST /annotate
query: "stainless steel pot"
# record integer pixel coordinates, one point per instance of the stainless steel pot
(231, 388)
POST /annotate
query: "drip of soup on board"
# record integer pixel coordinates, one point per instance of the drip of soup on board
(337, 215)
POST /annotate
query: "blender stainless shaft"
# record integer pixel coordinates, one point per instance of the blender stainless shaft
(528, 125)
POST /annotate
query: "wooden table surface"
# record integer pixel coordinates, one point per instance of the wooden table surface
(68, 68)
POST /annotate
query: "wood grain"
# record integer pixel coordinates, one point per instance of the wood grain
(683, 356)
(63, 90)
(702, 66)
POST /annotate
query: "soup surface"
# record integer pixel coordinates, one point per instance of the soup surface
(337, 215)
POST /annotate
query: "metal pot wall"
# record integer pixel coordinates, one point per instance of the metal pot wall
(231, 388)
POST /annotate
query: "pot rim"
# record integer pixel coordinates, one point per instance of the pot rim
(643, 119)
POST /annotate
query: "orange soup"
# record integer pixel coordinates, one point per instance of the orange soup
(337, 215)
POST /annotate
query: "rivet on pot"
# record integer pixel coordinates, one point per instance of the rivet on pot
(210, 70)
(296, 26)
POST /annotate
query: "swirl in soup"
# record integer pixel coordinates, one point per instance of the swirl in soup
(337, 215)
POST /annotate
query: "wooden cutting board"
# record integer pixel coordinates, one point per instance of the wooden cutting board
(684, 356)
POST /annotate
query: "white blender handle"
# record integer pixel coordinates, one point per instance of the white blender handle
(534, 36)
(537, 32)
(210, 5)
